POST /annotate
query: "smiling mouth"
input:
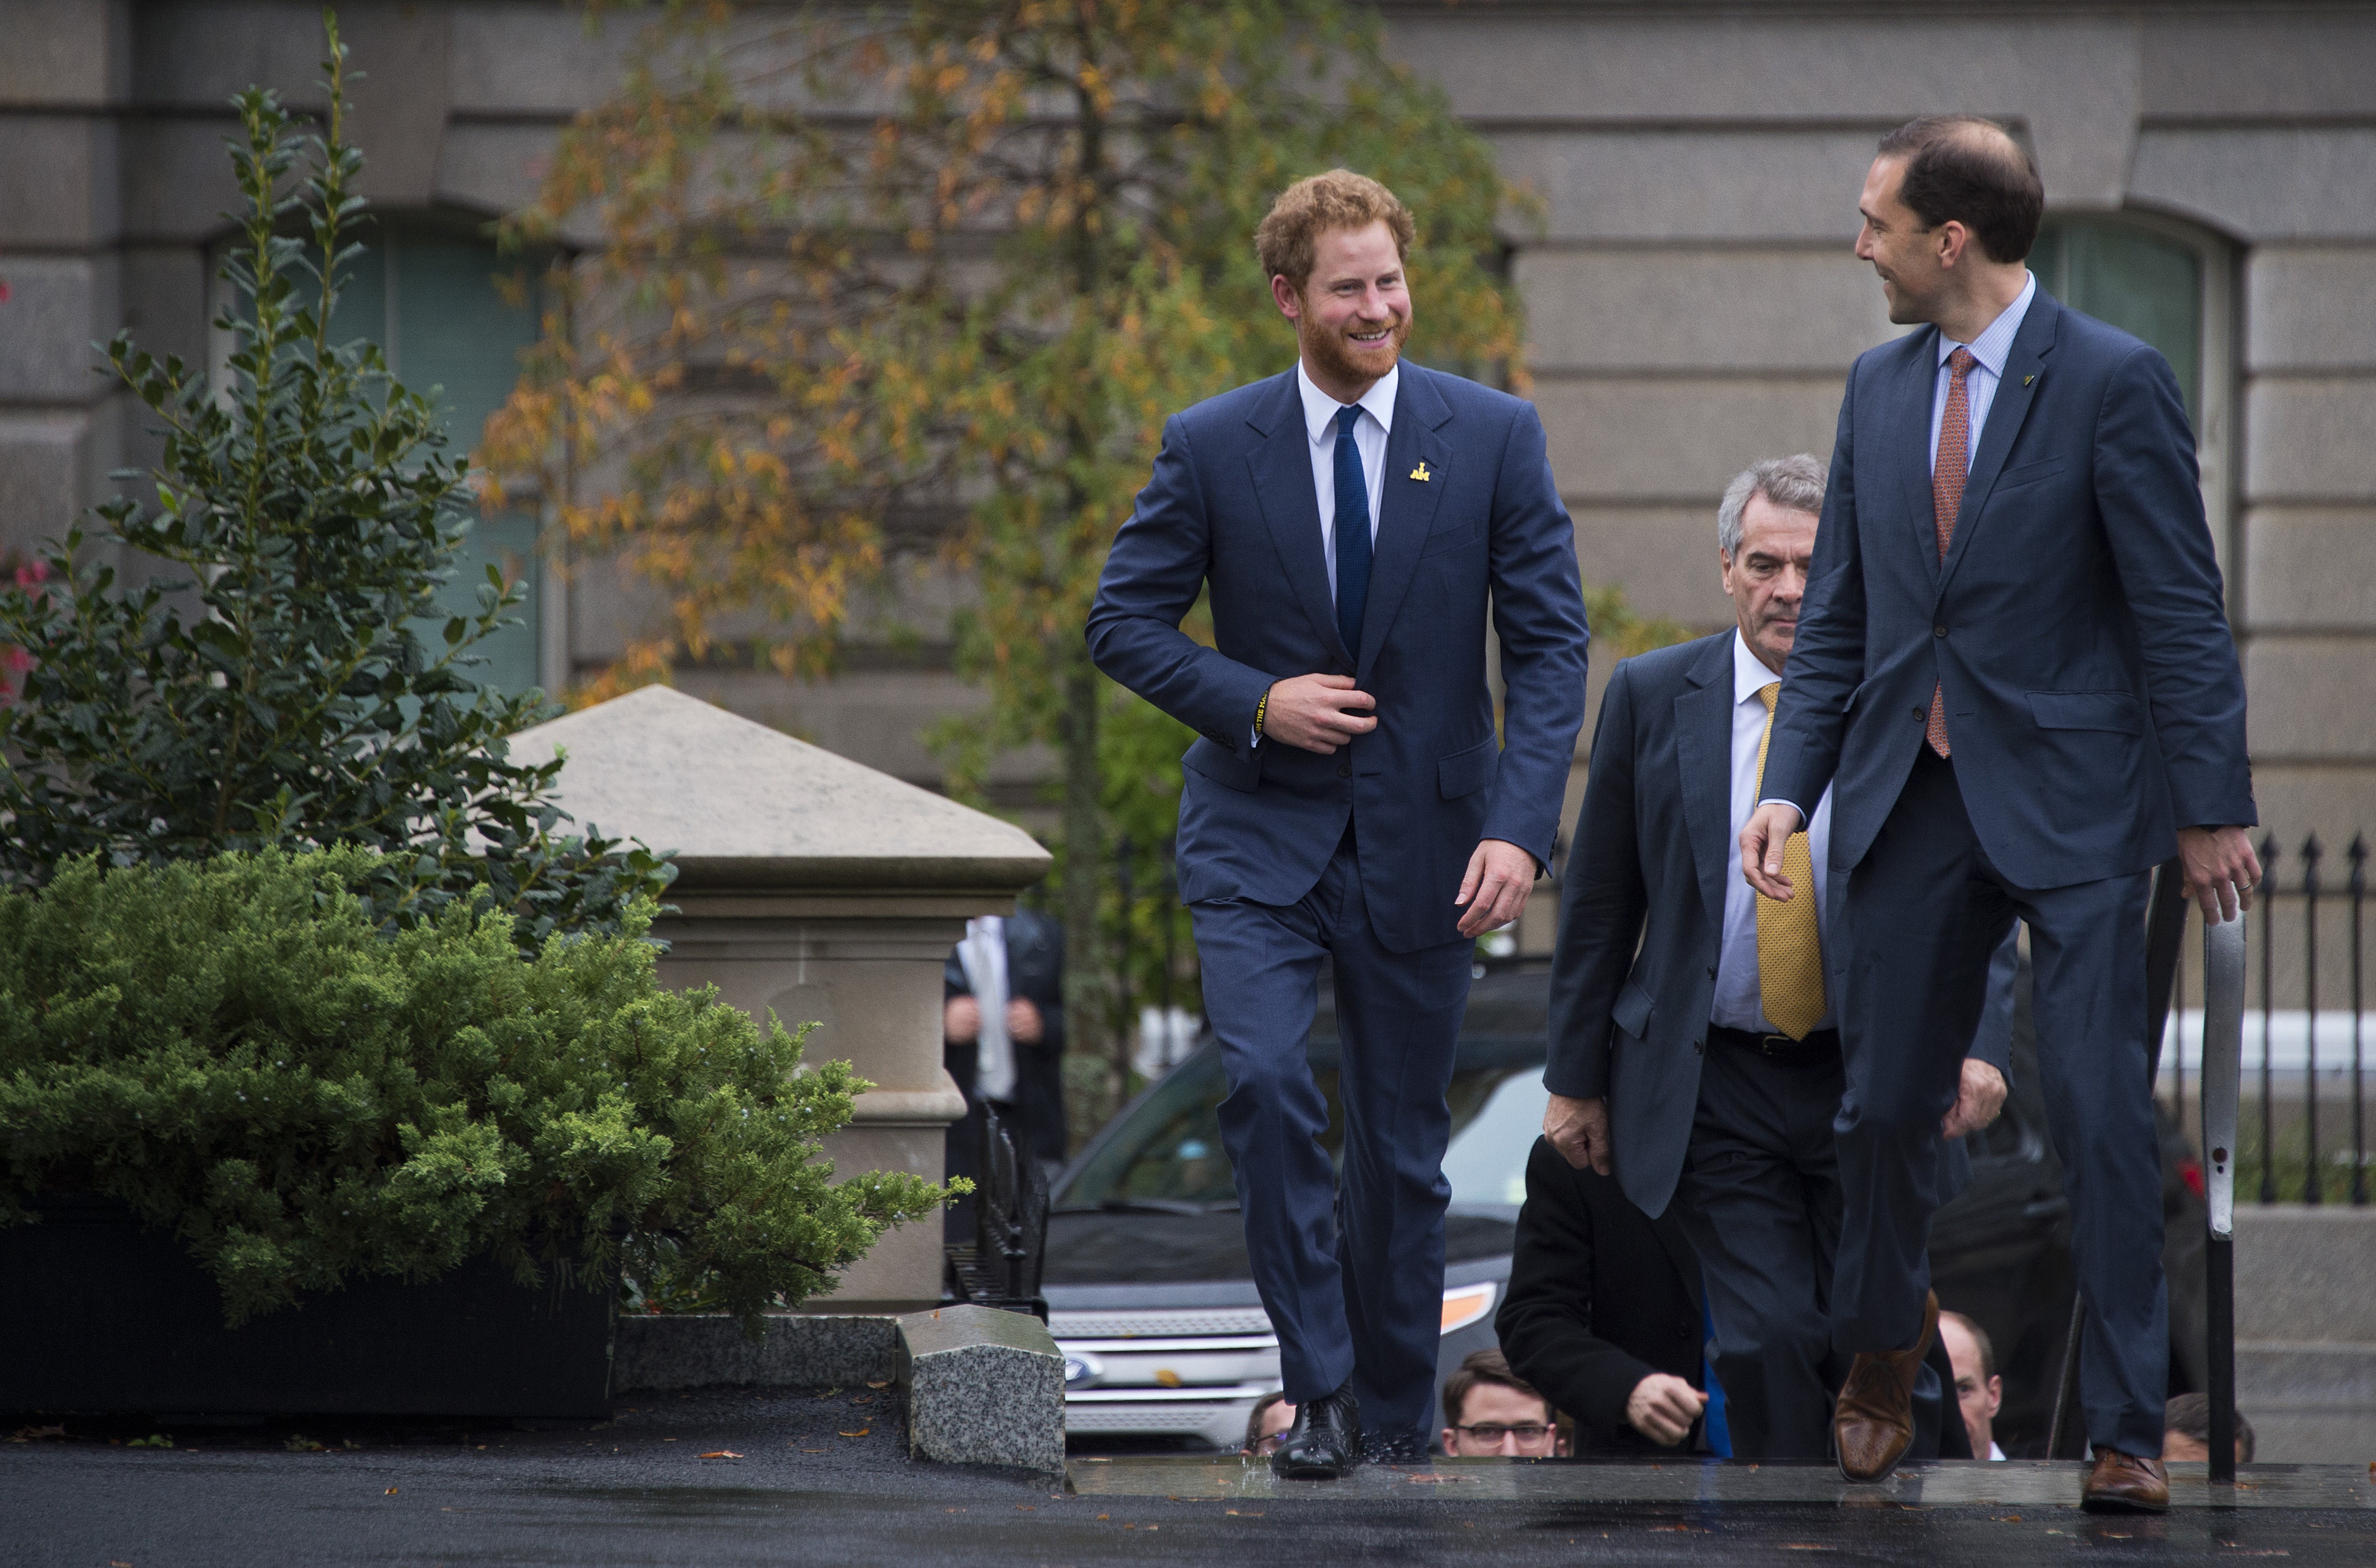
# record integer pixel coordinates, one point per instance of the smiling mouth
(1382, 335)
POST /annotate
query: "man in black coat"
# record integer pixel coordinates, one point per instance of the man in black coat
(1605, 1314)
(1017, 963)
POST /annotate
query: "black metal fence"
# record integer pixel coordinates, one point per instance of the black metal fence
(2306, 1028)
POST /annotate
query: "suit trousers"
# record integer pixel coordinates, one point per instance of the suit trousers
(1923, 911)
(1351, 1272)
(1760, 1199)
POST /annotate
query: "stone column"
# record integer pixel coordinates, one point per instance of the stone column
(820, 889)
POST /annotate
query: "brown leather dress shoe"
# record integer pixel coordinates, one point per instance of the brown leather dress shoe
(2122, 1483)
(1873, 1420)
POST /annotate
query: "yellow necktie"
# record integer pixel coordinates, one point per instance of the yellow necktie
(1789, 941)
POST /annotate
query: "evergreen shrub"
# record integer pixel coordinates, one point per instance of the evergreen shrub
(240, 1051)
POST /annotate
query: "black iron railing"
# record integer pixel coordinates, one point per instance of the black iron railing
(1000, 1268)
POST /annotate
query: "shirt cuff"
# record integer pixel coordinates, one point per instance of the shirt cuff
(1778, 801)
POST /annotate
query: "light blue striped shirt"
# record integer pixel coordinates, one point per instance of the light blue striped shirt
(1981, 382)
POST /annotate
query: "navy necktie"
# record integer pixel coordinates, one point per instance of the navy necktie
(1353, 532)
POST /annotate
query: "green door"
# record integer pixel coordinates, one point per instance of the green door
(2138, 281)
(433, 306)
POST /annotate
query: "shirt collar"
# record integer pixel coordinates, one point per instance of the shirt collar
(1750, 675)
(1994, 344)
(1320, 409)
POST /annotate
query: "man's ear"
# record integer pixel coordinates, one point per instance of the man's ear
(1288, 298)
(1953, 242)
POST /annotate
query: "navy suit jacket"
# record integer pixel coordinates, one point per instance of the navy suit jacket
(2077, 627)
(1642, 913)
(1469, 511)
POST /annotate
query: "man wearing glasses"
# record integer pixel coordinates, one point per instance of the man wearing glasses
(1491, 1413)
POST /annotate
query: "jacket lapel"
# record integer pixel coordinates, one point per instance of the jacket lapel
(1406, 507)
(2023, 369)
(1910, 439)
(1281, 466)
(1704, 762)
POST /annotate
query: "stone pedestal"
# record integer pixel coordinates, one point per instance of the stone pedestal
(819, 889)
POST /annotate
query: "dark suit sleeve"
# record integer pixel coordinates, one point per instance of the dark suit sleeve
(1151, 579)
(1602, 905)
(1827, 655)
(1992, 1042)
(1545, 1324)
(2151, 499)
(1538, 620)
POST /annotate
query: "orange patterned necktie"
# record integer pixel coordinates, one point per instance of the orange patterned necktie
(1947, 497)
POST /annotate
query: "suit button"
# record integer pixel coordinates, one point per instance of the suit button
(1344, 770)
(1938, 631)
(1711, 971)
(1698, 1048)
(1920, 713)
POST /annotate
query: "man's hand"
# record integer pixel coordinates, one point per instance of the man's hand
(2221, 870)
(1761, 837)
(1500, 877)
(1663, 1407)
(1978, 1099)
(961, 1020)
(1023, 1022)
(1579, 1130)
(1318, 713)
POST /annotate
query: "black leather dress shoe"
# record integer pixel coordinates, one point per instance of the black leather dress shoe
(1324, 1443)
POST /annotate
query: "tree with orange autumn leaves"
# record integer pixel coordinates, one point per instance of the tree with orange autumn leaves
(917, 287)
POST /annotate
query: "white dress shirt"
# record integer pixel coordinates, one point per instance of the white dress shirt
(1989, 349)
(982, 955)
(1738, 1005)
(1370, 435)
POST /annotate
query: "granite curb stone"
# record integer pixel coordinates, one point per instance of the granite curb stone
(799, 1350)
(984, 1387)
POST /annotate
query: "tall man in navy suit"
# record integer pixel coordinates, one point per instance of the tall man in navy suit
(1347, 801)
(2014, 671)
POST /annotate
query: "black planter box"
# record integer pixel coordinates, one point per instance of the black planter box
(98, 1315)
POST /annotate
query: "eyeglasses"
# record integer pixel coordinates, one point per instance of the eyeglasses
(1269, 1444)
(1489, 1432)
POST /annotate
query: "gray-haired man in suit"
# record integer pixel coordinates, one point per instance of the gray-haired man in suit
(1695, 1044)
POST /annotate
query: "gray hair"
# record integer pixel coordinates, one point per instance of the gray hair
(1794, 484)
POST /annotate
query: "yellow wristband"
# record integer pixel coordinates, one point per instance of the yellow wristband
(1260, 708)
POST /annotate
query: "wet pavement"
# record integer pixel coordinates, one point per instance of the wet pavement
(731, 1477)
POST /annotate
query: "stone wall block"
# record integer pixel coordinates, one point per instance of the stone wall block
(1728, 311)
(63, 52)
(2257, 183)
(58, 186)
(1680, 440)
(672, 1350)
(43, 459)
(2309, 569)
(1783, 184)
(2309, 308)
(57, 306)
(2291, 686)
(984, 1387)
(2311, 438)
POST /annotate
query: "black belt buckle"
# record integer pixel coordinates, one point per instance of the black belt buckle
(1780, 1045)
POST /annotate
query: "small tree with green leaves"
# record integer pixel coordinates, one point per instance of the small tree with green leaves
(291, 685)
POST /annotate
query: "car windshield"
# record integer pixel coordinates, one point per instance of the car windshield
(1165, 1152)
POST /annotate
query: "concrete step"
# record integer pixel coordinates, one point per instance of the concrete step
(2306, 1273)
(2310, 1401)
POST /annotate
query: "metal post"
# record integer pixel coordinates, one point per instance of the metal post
(2359, 888)
(2268, 1015)
(1129, 1030)
(2220, 1080)
(2313, 1185)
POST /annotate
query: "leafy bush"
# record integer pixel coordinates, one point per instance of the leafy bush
(272, 686)
(237, 1051)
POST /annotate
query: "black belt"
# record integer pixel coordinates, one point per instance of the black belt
(1820, 1047)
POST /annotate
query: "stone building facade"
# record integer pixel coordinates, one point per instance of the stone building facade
(1693, 303)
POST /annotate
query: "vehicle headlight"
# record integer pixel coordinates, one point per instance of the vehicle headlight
(1464, 1304)
(1081, 1369)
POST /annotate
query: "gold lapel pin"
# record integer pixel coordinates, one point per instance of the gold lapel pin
(1420, 473)
(2027, 379)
